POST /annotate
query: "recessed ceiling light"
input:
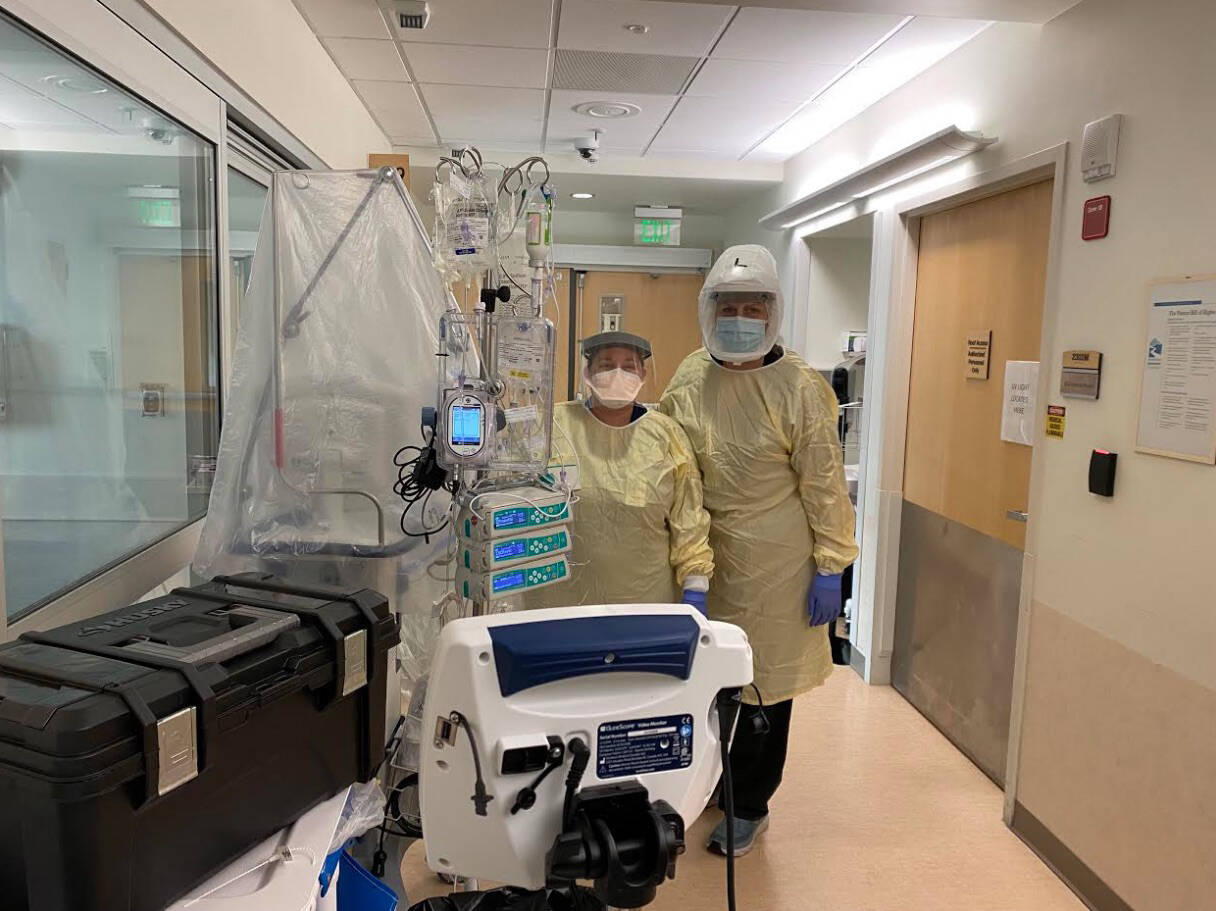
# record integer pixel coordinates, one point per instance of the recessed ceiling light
(607, 110)
(636, 27)
(81, 84)
(582, 196)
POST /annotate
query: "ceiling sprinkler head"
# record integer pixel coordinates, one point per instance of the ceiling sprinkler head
(636, 28)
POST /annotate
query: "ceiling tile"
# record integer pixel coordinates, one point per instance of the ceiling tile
(457, 64)
(368, 58)
(501, 23)
(395, 105)
(32, 110)
(802, 36)
(721, 124)
(648, 74)
(626, 133)
(486, 113)
(679, 29)
(760, 80)
(529, 146)
(345, 18)
(925, 41)
(658, 151)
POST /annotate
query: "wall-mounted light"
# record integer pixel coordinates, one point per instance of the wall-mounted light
(940, 148)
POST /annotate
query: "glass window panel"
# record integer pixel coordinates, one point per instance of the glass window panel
(108, 322)
(246, 199)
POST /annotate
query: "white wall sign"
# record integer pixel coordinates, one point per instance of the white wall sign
(1021, 389)
(1178, 386)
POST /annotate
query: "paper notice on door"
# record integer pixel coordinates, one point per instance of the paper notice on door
(1178, 388)
(1021, 388)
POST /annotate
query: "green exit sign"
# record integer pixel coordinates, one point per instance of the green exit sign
(658, 232)
(159, 213)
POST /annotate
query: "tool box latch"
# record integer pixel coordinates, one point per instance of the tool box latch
(177, 749)
(354, 666)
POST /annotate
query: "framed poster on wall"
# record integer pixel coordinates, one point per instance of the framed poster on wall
(1178, 380)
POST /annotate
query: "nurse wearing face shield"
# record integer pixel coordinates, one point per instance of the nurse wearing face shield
(641, 532)
(763, 426)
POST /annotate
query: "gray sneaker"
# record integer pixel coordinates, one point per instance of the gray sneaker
(746, 833)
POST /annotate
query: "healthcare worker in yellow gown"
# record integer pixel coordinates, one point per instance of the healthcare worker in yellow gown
(641, 532)
(764, 427)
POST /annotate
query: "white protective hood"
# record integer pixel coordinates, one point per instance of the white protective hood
(745, 267)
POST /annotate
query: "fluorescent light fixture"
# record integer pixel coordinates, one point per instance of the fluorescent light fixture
(921, 157)
(657, 210)
(900, 178)
(582, 196)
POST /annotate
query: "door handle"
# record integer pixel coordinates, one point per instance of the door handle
(1017, 515)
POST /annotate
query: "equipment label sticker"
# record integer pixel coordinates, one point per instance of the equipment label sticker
(644, 745)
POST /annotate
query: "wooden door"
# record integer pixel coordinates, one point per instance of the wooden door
(981, 267)
(661, 308)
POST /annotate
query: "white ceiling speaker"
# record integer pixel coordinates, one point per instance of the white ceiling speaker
(1100, 147)
(607, 110)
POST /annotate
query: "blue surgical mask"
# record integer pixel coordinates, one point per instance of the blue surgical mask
(740, 334)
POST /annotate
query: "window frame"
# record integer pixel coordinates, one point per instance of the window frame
(257, 164)
(131, 46)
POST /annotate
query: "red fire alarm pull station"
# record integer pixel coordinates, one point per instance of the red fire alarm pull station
(1095, 223)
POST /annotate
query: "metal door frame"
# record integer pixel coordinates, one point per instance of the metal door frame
(897, 233)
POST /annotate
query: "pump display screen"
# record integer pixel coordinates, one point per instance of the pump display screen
(509, 518)
(509, 580)
(510, 549)
(466, 425)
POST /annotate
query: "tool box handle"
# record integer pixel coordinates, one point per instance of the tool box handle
(260, 627)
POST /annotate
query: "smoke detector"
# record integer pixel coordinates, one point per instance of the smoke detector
(410, 15)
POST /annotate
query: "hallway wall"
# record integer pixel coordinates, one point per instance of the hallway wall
(269, 51)
(1121, 683)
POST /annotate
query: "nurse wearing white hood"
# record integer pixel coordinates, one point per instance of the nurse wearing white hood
(763, 426)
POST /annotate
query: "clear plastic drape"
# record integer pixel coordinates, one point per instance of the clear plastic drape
(334, 360)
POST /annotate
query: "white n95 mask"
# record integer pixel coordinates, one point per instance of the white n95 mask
(614, 388)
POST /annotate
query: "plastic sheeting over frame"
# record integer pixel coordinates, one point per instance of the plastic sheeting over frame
(335, 358)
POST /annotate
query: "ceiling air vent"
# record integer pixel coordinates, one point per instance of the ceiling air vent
(411, 14)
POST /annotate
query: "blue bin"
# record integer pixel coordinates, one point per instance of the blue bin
(358, 890)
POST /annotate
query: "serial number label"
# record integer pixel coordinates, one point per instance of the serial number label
(643, 745)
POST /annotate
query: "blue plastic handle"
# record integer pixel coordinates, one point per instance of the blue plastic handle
(532, 654)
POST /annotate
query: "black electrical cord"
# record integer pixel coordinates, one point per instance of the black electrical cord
(763, 727)
(418, 477)
(581, 754)
(526, 799)
(481, 798)
(728, 710)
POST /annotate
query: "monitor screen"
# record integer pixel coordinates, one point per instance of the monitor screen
(510, 549)
(509, 518)
(509, 580)
(466, 425)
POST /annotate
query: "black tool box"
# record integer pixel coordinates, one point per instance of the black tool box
(144, 749)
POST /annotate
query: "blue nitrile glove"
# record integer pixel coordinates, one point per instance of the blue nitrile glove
(823, 602)
(697, 600)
